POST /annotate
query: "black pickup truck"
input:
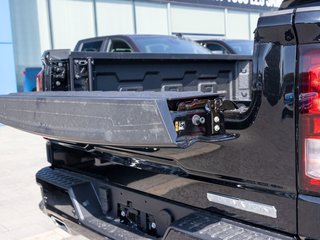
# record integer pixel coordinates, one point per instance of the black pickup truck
(255, 176)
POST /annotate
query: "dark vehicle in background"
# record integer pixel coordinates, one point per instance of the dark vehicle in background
(140, 43)
(159, 44)
(263, 182)
(228, 46)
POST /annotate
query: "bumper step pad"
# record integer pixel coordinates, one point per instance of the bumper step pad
(200, 225)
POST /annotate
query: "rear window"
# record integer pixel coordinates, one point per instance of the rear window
(243, 47)
(168, 44)
(217, 48)
(91, 46)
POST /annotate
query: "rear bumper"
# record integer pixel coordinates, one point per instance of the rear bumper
(69, 225)
(99, 209)
(308, 216)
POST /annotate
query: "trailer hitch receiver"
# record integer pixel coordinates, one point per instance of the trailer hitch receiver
(201, 119)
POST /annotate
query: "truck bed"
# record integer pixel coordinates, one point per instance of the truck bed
(85, 71)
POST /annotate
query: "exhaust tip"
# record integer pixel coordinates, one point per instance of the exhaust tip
(59, 223)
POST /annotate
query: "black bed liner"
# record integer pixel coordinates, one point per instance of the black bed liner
(90, 71)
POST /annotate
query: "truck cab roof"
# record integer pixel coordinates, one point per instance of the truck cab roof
(140, 43)
(289, 4)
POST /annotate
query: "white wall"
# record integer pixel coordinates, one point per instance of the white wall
(197, 20)
(25, 32)
(71, 20)
(43, 25)
(26, 36)
(114, 17)
(238, 25)
(253, 23)
(151, 18)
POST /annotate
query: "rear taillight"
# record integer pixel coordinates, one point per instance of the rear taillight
(310, 120)
(40, 81)
(312, 163)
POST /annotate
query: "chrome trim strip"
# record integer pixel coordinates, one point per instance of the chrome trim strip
(245, 205)
(276, 13)
(307, 9)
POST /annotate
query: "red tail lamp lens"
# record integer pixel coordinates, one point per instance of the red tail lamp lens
(310, 120)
